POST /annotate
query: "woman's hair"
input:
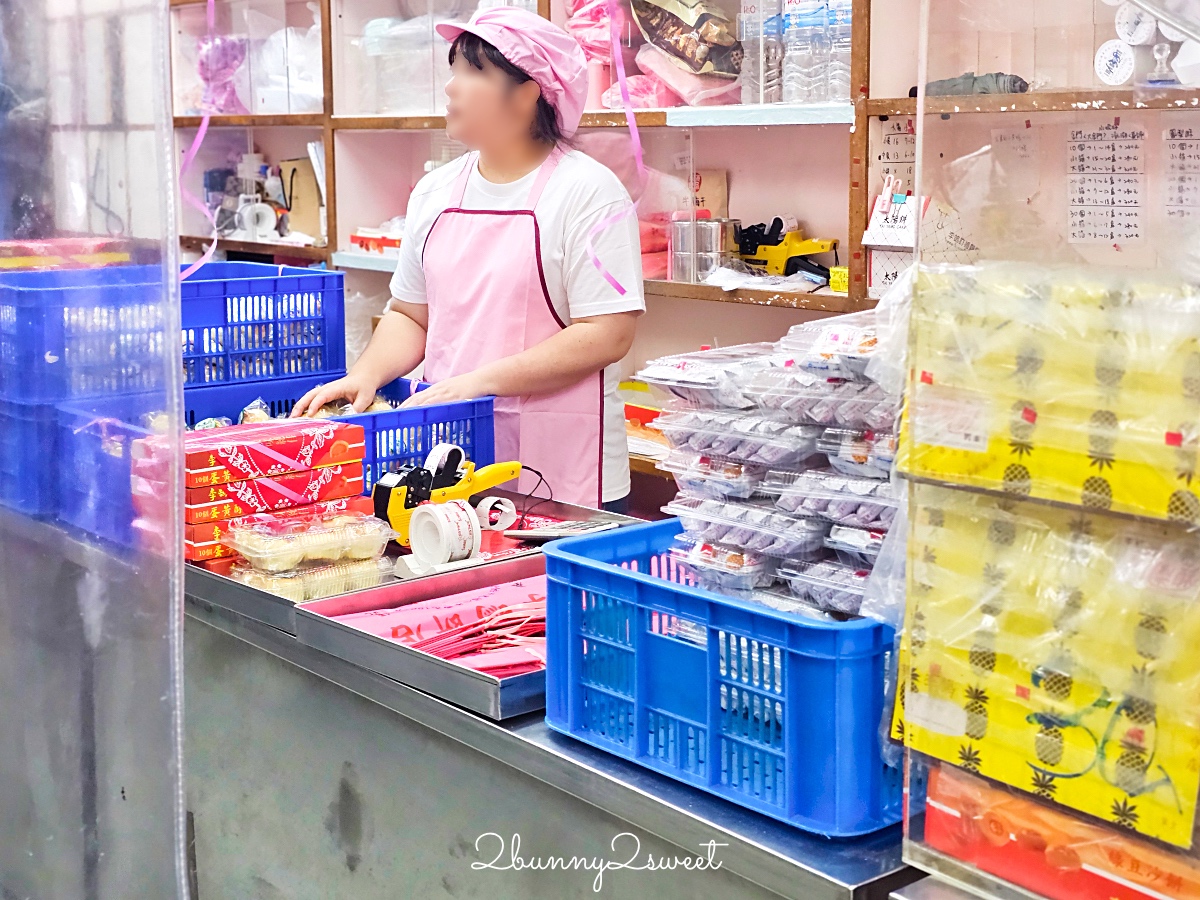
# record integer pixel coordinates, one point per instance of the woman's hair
(474, 48)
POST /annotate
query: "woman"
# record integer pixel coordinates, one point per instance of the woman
(496, 288)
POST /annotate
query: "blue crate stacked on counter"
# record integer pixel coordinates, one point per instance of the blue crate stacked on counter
(723, 647)
(248, 329)
(68, 334)
(783, 456)
(82, 369)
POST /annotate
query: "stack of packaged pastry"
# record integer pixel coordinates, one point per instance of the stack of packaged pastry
(310, 555)
(245, 470)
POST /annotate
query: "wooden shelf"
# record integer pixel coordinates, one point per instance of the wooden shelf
(646, 118)
(1035, 101)
(371, 262)
(891, 106)
(200, 244)
(822, 301)
(644, 465)
(311, 120)
(677, 117)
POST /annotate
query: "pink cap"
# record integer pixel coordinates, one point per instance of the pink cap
(540, 49)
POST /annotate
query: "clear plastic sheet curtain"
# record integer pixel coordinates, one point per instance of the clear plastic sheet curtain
(90, 611)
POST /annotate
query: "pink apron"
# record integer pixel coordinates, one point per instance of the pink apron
(488, 300)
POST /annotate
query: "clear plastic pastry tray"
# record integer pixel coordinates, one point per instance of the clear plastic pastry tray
(840, 346)
(783, 600)
(757, 528)
(855, 546)
(723, 570)
(860, 453)
(710, 378)
(707, 476)
(830, 585)
(318, 582)
(274, 544)
(804, 396)
(744, 437)
(842, 499)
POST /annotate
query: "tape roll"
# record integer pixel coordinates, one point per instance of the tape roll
(438, 455)
(441, 533)
(505, 509)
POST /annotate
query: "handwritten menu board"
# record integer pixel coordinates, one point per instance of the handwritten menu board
(1106, 182)
(1181, 178)
(898, 150)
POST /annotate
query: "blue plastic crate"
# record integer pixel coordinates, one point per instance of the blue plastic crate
(80, 332)
(29, 472)
(251, 321)
(405, 436)
(776, 713)
(393, 439)
(216, 400)
(95, 440)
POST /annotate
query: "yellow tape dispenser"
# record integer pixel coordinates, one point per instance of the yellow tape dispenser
(446, 475)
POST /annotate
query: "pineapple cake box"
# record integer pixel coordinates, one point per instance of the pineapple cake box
(1057, 384)
(1056, 651)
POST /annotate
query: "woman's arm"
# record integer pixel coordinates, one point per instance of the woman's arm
(581, 349)
(395, 349)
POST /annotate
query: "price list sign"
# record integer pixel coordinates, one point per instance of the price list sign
(1105, 184)
(898, 151)
(1181, 180)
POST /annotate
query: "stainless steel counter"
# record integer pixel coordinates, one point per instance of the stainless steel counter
(337, 738)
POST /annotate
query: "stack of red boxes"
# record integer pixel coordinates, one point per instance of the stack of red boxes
(246, 469)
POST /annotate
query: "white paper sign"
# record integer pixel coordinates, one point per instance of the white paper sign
(1181, 176)
(1106, 184)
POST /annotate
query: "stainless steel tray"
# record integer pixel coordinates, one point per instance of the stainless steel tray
(492, 697)
(209, 587)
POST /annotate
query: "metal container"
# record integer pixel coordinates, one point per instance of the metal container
(717, 235)
(695, 267)
(496, 698)
(683, 236)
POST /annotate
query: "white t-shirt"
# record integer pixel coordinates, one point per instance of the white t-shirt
(579, 194)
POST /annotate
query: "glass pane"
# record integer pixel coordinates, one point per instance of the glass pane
(90, 591)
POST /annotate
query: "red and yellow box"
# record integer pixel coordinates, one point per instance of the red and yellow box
(240, 452)
(241, 498)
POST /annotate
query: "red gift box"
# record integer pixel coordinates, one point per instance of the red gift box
(223, 455)
(241, 498)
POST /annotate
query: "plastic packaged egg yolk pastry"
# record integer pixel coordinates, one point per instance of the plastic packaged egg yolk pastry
(279, 543)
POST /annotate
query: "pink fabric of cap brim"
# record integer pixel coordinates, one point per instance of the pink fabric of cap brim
(540, 49)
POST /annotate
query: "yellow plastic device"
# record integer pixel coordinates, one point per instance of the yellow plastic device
(774, 258)
(397, 494)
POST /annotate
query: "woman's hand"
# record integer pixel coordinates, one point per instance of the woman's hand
(353, 387)
(461, 387)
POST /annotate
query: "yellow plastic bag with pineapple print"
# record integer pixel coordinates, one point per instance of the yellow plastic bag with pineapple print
(1056, 651)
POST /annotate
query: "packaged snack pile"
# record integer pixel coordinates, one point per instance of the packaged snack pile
(995, 403)
(204, 541)
(316, 582)
(783, 455)
(276, 544)
(276, 466)
(311, 553)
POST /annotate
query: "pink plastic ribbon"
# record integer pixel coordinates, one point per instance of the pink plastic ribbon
(188, 158)
(614, 27)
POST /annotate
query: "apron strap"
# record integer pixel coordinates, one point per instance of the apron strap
(460, 186)
(544, 174)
